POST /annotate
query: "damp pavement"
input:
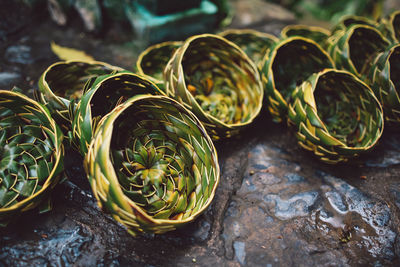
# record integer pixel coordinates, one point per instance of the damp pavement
(276, 205)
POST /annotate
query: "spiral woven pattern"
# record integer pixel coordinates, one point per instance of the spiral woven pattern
(217, 81)
(385, 79)
(104, 95)
(389, 26)
(290, 62)
(394, 22)
(337, 115)
(317, 34)
(30, 154)
(63, 82)
(152, 61)
(152, 165)
(348, 21)
(356, 48)
(254, 43)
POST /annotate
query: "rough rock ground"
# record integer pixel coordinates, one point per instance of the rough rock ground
(276, 204)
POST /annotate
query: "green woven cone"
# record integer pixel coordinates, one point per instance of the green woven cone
(348, 21)
(105, 93)
(385, 79)
(217, 81)
(390, 27)
(336, 115)
(253, 43)
(356, 48)
(31, 155)
(152, 61)
(288, 64)
(152, 165)
(63, 82)
(317, 34)
(395, 25)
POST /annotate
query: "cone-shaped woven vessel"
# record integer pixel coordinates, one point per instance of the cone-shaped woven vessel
(105, 93)
(390, 27)
(152, 61)
(317, 34)
(356, 48)
(385, 79)
(288, 64)
(31, 154)
(152, 165)
(350, 20)
(64, 82)
(395, 25)
(337, 115)
(253, 43)
(217, 81)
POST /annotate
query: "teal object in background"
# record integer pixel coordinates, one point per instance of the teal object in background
(174, 26)
(152, 21)
(162, 7)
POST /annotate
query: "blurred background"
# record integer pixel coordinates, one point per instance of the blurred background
(116, 31)
(159, 20)
(142, 22)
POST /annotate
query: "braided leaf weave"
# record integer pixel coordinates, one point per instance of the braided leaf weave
(348, 21)
(337, 115)
(253, 43)
(217, 81)
(385, 79)
(105, 93)
(152, 61)
(317, 34)
(63, 82)
(288, 64)
(390, 27)
(152, 165)
(31, 154)
(394, 25)
(356, 48)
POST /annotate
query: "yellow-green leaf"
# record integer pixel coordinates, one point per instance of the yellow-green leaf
(66, 53)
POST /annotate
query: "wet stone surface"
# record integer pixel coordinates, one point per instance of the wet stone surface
(276, 205)
(295, 207)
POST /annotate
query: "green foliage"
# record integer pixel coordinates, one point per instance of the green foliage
(333, 10)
